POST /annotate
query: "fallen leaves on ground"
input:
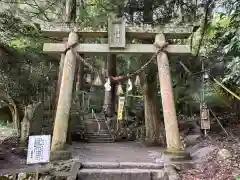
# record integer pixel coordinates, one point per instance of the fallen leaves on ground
(213, 167)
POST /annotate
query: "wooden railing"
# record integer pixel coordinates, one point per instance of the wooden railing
(95, 117)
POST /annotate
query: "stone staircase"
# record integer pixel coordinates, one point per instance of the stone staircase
(97, 131)
(121, 171)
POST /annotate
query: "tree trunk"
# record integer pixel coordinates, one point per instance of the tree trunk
(154, 126)
(77, 87)
(15, 7)
(71, 11)
(148, 12)
(110, 97)
(4, 96)
(79, 76)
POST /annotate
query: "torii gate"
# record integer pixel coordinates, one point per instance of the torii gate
(116, 34)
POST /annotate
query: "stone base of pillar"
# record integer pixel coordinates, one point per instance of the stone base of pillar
(178, 155)
(60, 155)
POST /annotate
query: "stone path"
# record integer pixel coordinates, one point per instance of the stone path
(115, 152)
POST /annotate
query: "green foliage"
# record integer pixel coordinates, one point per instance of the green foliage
(3, 123)
(94, 14)
(24, 70)
(221, 45)
(233, 71)
(29, 72)
(224, 33)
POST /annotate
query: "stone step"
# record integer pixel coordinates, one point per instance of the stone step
(99, 119)
(121, 174)
(121, 165)
(95, 128)
(100, 140)
(77, 129)
(79, 125)
(104, 131)
(98, 134)
(99, 137)
(94, 120)
(103, 139)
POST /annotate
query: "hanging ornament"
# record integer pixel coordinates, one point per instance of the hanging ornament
(137, 81)
(97, 81)
(107, 85)
(89, 78)
(129, 85)
(119, 89)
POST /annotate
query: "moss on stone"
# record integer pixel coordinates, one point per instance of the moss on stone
(178, 155)
(60, 155)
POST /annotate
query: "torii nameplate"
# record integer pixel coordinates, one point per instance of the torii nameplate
(116, 33)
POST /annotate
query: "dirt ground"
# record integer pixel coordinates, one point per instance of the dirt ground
(206, 166)
(93, 152)
(213, 166)
(114, 152)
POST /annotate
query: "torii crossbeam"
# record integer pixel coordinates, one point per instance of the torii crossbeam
(56, 48)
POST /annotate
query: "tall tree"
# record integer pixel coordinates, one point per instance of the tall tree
(71, 7)
(154, 126)
(110, 96)
(79, 74)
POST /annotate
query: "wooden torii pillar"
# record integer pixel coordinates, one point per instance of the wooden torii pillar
(117, 45)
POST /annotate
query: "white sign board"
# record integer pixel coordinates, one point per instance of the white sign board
(38, 149)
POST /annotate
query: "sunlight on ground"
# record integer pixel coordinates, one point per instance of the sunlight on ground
(6, 130)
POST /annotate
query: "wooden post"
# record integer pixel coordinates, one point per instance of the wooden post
(169, 111)
(65, 98)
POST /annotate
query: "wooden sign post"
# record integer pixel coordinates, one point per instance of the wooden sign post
(205, 118)
(116, 35)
